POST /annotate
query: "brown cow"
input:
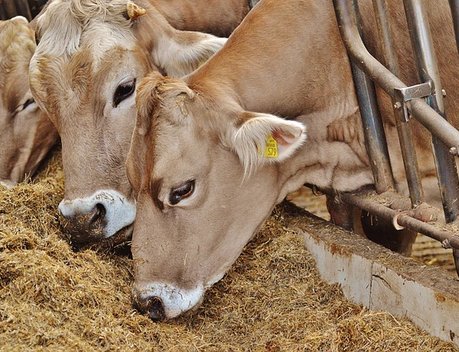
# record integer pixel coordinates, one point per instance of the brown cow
(90, 55)
(26, 134)
(213, 153)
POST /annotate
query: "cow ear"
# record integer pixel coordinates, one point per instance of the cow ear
(187, 52)
(146, 100)
(154, 91)
(260, 138)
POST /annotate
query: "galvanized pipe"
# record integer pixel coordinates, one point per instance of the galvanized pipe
(402, 219)
(454, 4)
(386, 80)
(375, 140)
(428, 71)
(404, 131)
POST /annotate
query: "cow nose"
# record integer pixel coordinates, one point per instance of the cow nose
(152, 306)
(84, 226)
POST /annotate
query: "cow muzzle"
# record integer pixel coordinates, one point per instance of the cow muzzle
(162, 301)
(97, 217)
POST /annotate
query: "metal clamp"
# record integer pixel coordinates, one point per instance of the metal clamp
(404, 95)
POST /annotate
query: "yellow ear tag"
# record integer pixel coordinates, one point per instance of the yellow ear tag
(271, 149)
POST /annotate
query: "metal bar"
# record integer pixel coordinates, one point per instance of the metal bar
(375, 140)
(454, 4)
(449, 239)
(386, 80)
(428, 71)
(404, 131)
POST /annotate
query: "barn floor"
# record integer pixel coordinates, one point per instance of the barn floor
(273, 299)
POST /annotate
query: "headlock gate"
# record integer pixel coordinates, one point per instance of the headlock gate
(423, 101)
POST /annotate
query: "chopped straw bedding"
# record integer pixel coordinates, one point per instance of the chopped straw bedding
(273, 299)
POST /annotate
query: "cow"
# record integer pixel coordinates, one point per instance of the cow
(213, 152)
(26, 134)
(90, 56)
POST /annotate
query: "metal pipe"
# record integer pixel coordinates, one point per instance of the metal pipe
(386, 80)
(454, 4)
(402, 219)
(428, 71)
(404, 131)
(375, 139)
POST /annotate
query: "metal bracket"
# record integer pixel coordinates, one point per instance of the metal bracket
(404, 95)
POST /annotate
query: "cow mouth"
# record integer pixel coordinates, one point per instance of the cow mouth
(120, 239)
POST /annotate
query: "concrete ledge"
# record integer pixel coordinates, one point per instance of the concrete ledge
(380, 279)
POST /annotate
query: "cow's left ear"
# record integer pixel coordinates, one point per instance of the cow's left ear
(260, 138)
(186, 51)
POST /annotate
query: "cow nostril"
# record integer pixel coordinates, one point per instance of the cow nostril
(155, 309)
(98, 213)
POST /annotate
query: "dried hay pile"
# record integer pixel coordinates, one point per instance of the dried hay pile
(52, 298)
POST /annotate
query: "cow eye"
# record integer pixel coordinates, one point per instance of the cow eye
(27, 103)
(123, 91)
(24, 106)
(181, 192)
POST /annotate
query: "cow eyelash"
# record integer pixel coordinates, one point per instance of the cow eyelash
(24, 106)
(181, 192)
(123, 91)
(27, 103)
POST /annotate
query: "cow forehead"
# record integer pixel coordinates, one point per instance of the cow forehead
(16, 47)
(67, 25)
(75, 83)
(179, 150)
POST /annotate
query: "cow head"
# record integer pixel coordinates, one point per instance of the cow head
(90, 57)
(26, 134)
(206, 174)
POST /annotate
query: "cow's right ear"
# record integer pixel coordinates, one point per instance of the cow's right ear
(186, 51)
(156, 90)
(146, 100)
(261, 138)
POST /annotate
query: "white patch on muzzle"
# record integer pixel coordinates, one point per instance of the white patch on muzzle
(120, 212)
(175, 300)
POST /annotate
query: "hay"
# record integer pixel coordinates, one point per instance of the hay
(54, 299)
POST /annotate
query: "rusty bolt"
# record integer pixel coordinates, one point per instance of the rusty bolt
(397, 105)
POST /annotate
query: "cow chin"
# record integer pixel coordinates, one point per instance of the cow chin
(119, 239)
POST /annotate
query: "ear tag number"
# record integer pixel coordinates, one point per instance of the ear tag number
(271, 148)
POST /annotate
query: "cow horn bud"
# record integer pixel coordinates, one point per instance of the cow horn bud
(134, 11)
